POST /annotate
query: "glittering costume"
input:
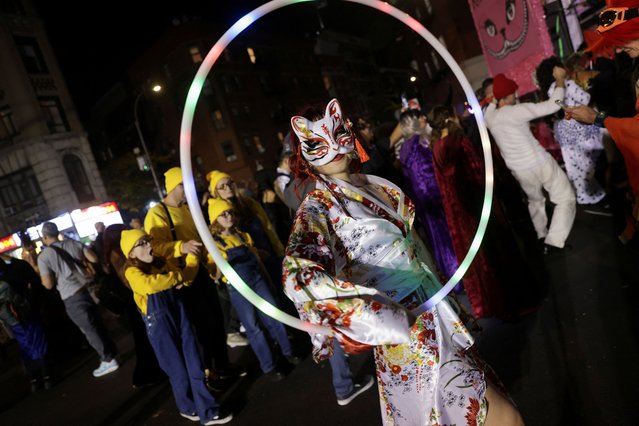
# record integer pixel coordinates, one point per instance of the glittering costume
(416, 158)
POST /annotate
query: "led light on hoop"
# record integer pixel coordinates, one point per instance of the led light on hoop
(189, 183)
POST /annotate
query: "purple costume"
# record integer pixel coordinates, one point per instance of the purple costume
(416, 158)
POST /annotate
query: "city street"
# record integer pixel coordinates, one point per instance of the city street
(571, 363)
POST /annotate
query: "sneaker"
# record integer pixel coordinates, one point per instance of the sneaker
(276, 375)
(294, 359)
(48, 383)
(191, 416)
(106, 368)
(236, 339)
(358, 388)
(220, 419)
(232, 371)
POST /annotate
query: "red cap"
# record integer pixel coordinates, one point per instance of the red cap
(503, 86)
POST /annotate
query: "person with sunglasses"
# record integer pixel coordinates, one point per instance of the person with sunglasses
(619, 27)
(155, 284)
(238, 249)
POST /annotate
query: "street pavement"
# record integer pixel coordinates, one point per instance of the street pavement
(573, 362)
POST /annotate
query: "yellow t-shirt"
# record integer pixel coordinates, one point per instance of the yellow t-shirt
(157, 225)
(143, 285)
(231, 241)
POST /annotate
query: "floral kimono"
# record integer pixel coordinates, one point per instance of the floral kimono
(351, 261)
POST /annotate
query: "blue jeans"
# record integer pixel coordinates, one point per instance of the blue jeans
(173, 341)
(249, 315)
(342, 375)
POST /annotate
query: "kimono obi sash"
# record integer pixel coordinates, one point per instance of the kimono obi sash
(391, 274)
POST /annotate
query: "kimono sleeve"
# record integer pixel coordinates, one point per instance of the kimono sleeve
(357, 314)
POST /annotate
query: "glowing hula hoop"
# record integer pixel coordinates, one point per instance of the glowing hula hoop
(189, 183)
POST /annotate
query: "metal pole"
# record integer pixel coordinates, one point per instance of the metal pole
(158, 188)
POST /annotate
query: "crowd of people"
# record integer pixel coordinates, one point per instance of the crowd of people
(355, 230)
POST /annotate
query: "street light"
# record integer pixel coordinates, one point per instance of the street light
(156, 89)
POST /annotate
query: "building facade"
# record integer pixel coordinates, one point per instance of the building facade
(46, 164)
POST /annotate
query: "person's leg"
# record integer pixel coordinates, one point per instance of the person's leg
(231, 322)
(147, 370)
(342, 374)
(248, 315)
(203, 307)
(205, 404)
(562, 195)
(275, 328)
(165, 337)
(82, 311)
(531, 185)
(501, 412)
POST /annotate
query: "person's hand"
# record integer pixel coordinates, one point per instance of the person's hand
(191, 247)
(581, 113)
(559, 73)
(268, 196)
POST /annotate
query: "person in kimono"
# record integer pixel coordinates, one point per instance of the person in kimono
(353, 263)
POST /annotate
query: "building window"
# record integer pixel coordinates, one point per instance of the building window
(251, 54)
(78, 177)
(229, 151)
(328, 84)
(12, 7)
(428, 70)
(258, 144)
(246, 112)
(7, 126)
(231, 83)
(54, 114)
(196, 55)
(207, 88)
(218, 119)
(429, 6)
(265, 83)
(167, 72)
(435, 59)
(20, 191)
(31, 55)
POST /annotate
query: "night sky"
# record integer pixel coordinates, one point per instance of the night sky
(95, 42)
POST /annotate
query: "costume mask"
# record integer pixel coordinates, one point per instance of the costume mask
(322, 140)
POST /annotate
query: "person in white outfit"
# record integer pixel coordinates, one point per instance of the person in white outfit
(533, 167)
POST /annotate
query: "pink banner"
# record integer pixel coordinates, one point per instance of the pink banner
(514, 38)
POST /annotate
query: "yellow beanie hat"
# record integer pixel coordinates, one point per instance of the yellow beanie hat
(214, 177)
(217, 206)
(173, 177)
(129, 238)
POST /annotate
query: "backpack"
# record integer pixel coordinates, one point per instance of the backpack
(14, 307)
